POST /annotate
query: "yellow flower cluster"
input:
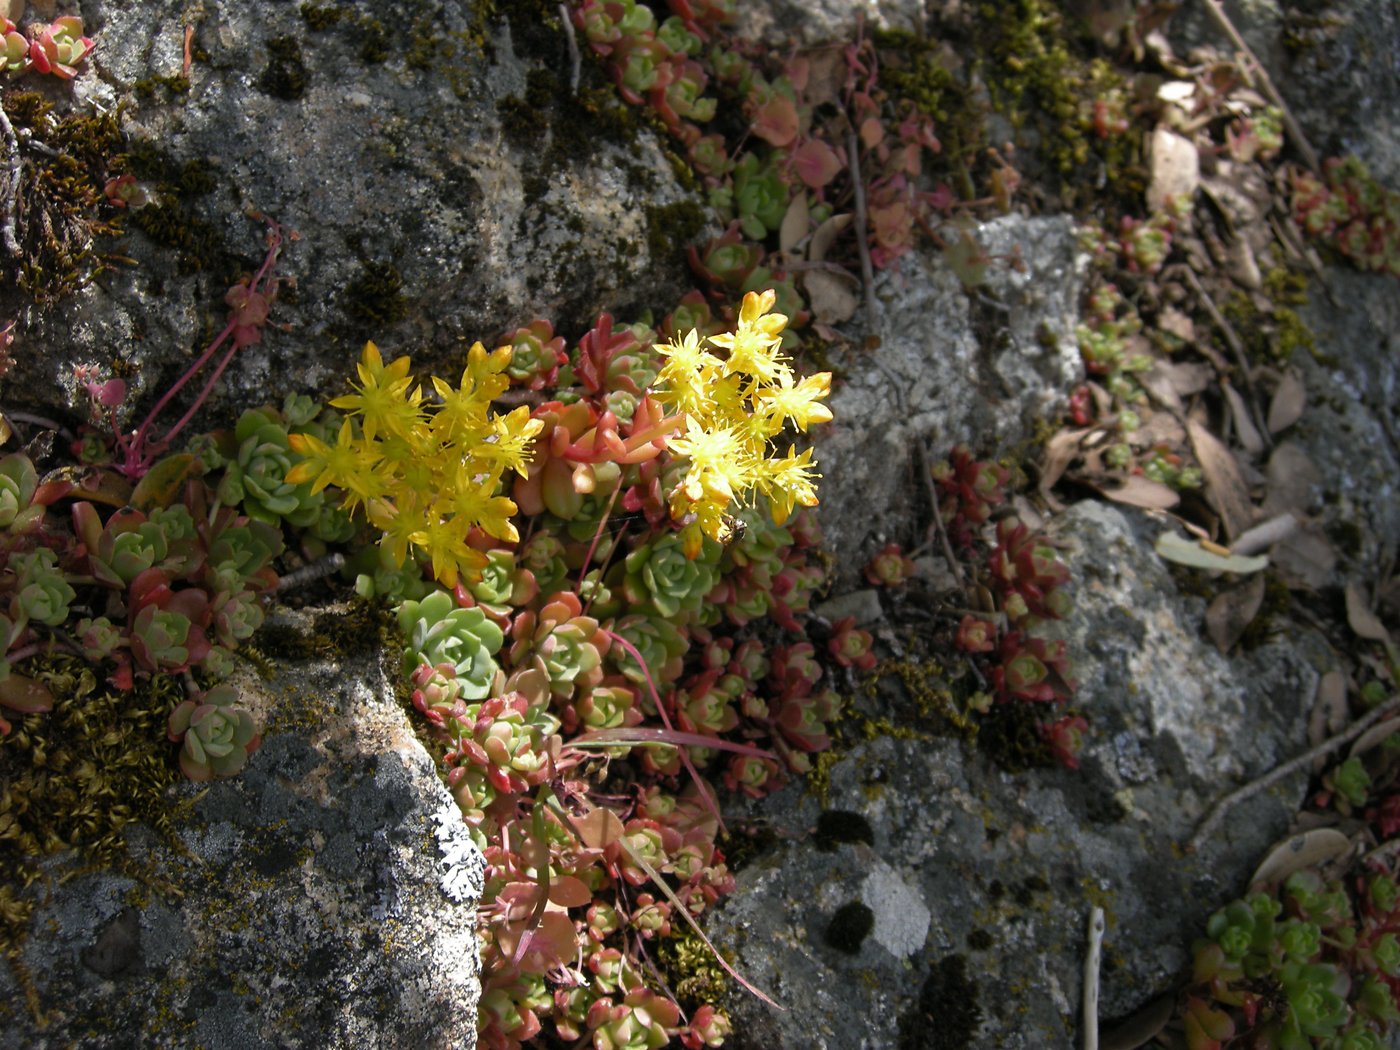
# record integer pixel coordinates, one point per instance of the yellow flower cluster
(425, 473)
(733, 407)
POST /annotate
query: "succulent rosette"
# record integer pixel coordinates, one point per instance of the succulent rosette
(216, 735)
(438, 632)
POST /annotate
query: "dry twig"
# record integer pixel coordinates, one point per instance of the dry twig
(575, 62)
(1217, 812)
(867, 271)
(9, 187)
(1237, 348)
(1091, 980)
(1216, 10)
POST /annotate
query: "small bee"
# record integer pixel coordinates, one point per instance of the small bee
(731, 530)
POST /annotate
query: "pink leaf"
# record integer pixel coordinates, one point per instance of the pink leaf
(816, 163)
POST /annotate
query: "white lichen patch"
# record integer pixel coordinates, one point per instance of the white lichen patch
(901, 918)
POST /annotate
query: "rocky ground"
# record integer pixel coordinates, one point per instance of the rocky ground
(918, 893)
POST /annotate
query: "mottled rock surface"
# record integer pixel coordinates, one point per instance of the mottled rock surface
(325, 897)
(979, 882)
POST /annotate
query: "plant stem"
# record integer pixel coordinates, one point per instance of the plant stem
(1217, 812)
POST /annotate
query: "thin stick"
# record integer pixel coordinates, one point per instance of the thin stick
(926, 468)
(1237, 348)
(1217, 812)
(867, 271)
(316, 570)
(189, 57)
(1216, 10)
(575, 61)
(1091, 980)
(10, 201)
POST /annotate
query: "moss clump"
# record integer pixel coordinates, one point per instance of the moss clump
(948, 1014)
(61, 207)
(75, 776)
(174, 86)
(321, 16)
(285, 75)
(670, 227)
(836, 826)
(1038, 76)
(849, 927)
(1008, 735)
(980, 940)
(169, 219)
(690, 968)
(376, 296)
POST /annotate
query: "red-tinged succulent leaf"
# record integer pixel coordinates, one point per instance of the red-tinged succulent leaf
(25, 694)
(776, 121)
(1206, 1028)
(600, 828)
(567, 891)
(816, 163)
(163, 482)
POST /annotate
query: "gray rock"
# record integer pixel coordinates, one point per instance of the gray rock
(966, 870)
(952, 366)
(1337, 66)
(327, 896)
(490, 212)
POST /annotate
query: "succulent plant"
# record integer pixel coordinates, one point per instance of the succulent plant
(438, 632)
(660, 575)
(59, 47)
(570, 644)
(256, 475)
(216, 735)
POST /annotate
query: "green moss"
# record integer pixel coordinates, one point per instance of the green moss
(1009, 736)
(174, 86)
(836, 826)
(63, 176)
(1273, 333)
(979, 940)
(285, 75)
(75, 776)
(670, 227)
(849, 927)
(691, 969)
(321, 16)
(376, 296)
(948, 1013)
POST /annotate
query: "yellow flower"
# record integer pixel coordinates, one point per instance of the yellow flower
(348, 464)
(384, 400)
(798, 404)
(720, 464)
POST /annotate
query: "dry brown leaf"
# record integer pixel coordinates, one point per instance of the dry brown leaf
(1137, 491)
(1329, 712)
(1301, 851)
(1175, 322)
(1162, 428)
(1158, 383)
(1141, 1027)
(830, 297)
(1374, 737)
(1241, 264)
(1060, 452)
(1233, 610)
(1225, 483)
(1289, 400)
(1265, 534)
(796, 221)
(824, 236)
(1245, 429)
(1363, 621)
(1176, 168)
(1305, 559)
(1291, 481)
